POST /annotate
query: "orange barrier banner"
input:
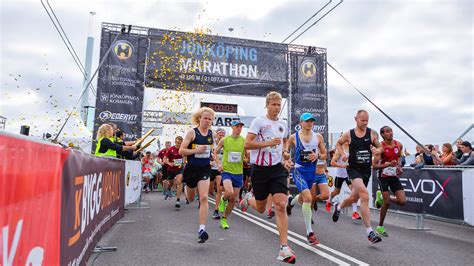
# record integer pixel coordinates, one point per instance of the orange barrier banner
(30, 201)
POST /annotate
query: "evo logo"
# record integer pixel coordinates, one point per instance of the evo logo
(427, 187)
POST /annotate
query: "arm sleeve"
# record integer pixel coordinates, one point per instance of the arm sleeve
(469, 161)
(108, 144)
(254, 126)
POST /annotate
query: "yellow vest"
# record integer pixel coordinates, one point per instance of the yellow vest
(109, 152)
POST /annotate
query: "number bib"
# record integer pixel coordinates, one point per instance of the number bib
(363, 157)
(390, 171)
(205, 154)
(178, 162)
(234, 157)
(304, 156)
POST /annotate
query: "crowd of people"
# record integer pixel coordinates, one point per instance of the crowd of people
(255, 171)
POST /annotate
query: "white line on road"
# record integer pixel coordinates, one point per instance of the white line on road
(292, 237)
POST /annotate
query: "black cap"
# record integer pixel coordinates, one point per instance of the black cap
(467, 144)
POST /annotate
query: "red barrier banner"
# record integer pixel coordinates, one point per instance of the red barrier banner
(93, 200)
(30, 198)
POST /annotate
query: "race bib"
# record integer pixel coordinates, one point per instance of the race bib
(304, 156)
(205, 154)
(363, 157)
(234, 157)
(178, 162)
(390, 171)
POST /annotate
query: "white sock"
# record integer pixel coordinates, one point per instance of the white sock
(306, 209)
(354, 207)
(369, 230)
(338, 207)
(202, 227)
(295, 200)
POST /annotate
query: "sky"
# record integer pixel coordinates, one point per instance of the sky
(414, 59)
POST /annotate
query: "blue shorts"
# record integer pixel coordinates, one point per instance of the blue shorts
(304, 178)
(321, 179)
(237, 180)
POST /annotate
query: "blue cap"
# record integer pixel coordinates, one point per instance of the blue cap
(306, 117)
(236, 122)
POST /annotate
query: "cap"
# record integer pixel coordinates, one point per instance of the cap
(306, 117)
(467, 144)
(236, 122)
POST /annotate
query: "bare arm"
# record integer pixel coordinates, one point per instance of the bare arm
(334, 160)
(375, 139)
(217, 150)
(345, 138)
(323, 154)
(251, 144)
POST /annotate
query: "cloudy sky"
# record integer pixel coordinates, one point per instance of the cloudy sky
(412, 58)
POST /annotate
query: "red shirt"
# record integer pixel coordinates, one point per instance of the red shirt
(161, 154)
(390, 154)
(174, 157)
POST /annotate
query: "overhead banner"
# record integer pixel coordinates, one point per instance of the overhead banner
(120, 83)
(158, 118)
(133, 180)
(205, 63)
(437, 192)
(30, 201)
(93, 198)
(309, 93)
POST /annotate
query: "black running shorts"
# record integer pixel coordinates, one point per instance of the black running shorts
(214, 174)
(340, 180)
(171, 175)
(362, 173)
(193, 174)
(269, 180)
(390, 182)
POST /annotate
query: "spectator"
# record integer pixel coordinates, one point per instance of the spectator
(447, 157)
(125, 154)
(105, 142)
(468, 155)
(459, 152)
(428, 158)
(418, 157)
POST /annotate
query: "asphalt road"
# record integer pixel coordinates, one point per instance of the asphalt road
(163, 235)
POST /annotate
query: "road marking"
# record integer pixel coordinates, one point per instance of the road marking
(292, 236)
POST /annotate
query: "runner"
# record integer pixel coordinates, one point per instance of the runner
(388, 161)
(231, 167)
(309, 147)
(164, 173)
(216, 177)
(341, 177)
(247, 171)
(321, 183)
(174, 162)
(265, 140)
(360, 140)
(197, 172)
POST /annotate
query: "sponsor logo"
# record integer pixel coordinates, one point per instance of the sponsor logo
(104, 97)
(308, 68)
(280, 128)
(427, 187)
(118, 117)
(123, 49)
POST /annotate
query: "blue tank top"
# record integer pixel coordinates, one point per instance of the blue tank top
(302, 152)
(201, 159)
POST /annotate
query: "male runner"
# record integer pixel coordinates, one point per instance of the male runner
(231, 167)
(197, 147)
(164, 173)
(265, 140)
(309, 147)
(360, 140)
(175, 163)
(389, 165)
(341, 177)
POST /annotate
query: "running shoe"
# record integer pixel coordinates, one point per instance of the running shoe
(289, 206)
(374, 238)
(178, 204)
(328, 205)
(312, 239)
(336, 213)
(223, 205)
(287, 255)
(270, 213)
(224, 224)
(379, 200)
(202, 236)
(381, 231)
(244, 203)
(187, 201)
(312, 221)
(315, 206)
(216, 215)
(356, 216)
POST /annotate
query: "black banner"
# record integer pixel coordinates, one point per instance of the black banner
(431, 191)
(120, 83)
(92, 200)
(309, 91)
(204, 63)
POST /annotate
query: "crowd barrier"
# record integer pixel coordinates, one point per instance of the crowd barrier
(55, 204)
(440, 192)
